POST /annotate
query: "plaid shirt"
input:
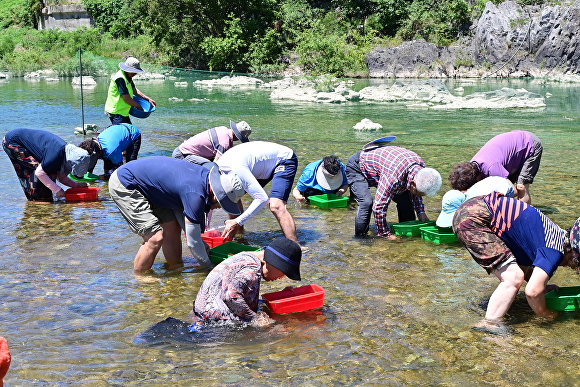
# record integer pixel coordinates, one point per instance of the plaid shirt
(391, 169)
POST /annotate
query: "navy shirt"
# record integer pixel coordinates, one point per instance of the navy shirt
(46, 148)
(170, 183)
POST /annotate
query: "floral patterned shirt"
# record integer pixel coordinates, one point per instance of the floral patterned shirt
(231, 290)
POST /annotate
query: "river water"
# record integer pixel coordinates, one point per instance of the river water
(395, 313)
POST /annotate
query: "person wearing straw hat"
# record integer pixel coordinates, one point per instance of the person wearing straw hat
(324, 176)
(159, 196)
(40, 158)
(400, 175)
(121, 92)
(231, 291)
(211, 144)
(517, 243)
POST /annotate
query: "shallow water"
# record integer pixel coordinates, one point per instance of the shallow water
(395, 313)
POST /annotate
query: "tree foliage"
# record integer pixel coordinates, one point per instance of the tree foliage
(321, 36)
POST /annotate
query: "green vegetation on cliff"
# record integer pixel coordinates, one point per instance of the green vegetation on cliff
(255, 36)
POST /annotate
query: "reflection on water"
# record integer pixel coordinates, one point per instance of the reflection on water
(395, 313)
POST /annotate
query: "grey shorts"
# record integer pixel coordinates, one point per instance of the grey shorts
(143, 217)
(531, 165)
(194, 159)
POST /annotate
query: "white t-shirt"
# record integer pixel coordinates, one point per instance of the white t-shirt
(251, 161)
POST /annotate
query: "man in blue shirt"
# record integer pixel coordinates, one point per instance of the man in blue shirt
(323, 176)
(160, 196)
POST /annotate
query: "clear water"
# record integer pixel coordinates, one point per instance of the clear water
(396, 313)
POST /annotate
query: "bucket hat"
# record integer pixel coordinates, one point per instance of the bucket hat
(76, 160)
(131, 65)
(227, 188)
(285, 255)
(379, 142)
(327, 180)
(242, 130)
(449, 204)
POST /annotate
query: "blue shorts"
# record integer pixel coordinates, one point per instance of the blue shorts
(282, 179)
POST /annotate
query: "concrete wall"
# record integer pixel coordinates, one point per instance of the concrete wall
(64, 17)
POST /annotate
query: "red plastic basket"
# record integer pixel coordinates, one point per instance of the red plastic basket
(214, 238)
(295, 300)
(82, 194)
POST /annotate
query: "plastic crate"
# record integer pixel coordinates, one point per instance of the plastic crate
(438, 234)
(328, 201)
(146, 105)
(295, 300)
(410, 228)
(226, 250)
(213, 238)
(88, 177)
(565, 299)
(82, 194)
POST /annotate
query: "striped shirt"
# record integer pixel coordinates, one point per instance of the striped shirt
(391, 169)
(533, 238)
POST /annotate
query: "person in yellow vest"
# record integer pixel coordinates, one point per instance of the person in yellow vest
(121, 92)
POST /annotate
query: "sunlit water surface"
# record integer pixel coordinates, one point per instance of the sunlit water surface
(395, 313)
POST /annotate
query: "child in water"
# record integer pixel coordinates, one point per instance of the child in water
(231, 290)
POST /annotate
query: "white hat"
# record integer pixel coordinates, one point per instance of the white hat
(450, 203)
(131, 65)
(242, 130)
(326, 180)
(227, 188)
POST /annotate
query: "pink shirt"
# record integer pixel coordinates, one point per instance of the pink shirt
(201, 145)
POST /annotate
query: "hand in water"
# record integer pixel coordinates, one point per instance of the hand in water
(261, 320)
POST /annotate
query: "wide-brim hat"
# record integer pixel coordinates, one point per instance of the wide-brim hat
(227, 188)
(242, 132)
(379, 142)
(131, 65)
(326, 180)
(285, 255)
(77, 160)
(449, 205)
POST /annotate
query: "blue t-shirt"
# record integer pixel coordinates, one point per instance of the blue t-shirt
(308, 178)
(46, 148)
(533, 239)
(115, 139)
(170, 183)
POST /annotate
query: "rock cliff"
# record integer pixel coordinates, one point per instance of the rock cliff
(508, 40)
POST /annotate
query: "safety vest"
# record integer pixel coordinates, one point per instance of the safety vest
(115, 103)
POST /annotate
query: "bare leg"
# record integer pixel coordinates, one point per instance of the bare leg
(512, 278)
(278, 208)
(172, 247)
(148, 251)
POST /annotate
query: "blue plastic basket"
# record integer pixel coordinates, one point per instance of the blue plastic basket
(147, 108)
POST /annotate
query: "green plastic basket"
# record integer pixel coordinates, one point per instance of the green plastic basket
(328, 201)
(226, 250)
(565, 299)
(438, 234)
(88, 177)
(410, 228)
